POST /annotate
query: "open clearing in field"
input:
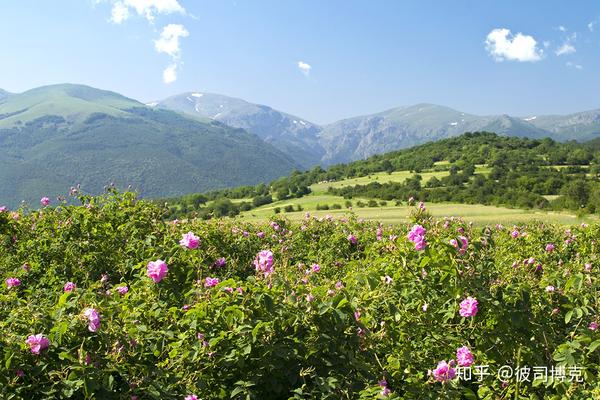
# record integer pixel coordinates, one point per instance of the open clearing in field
(385, 177)
(478, 214)
(381, 177)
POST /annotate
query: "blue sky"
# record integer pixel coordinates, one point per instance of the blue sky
(321, 60)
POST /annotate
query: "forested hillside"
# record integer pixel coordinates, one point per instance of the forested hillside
(514, 172)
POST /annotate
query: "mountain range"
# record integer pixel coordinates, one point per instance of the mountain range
(56, 136)
(359, 137)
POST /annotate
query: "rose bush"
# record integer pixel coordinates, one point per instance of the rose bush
(113, 302)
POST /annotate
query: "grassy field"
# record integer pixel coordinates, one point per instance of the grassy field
(385, 177)
(392, 214)
(381, 177)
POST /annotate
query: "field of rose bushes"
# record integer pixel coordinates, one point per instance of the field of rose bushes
(107, 300)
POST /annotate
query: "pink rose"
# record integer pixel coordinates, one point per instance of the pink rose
(464, 357)
(352, 239)
(37, 343)
(211, 282)
(190, 241)
(468, 307)
(264, 262)
(444, 372)
(93, 319)
(157, 270)
(13, 282)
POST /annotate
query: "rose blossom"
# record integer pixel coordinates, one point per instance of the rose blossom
(264, 262)
(220, 262)
(157, 270)
(417, 236)
(189, 241)
(93, 319)
(385, 390)
(37, 343)
(352, 239)
(211, 282)
(468, 307)
(69, 287)
(13, 282)
(464, 357)
(444, 372)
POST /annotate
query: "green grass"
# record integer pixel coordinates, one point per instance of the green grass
(478, 214)
(381, 177)
(392, 214)
(384, 177)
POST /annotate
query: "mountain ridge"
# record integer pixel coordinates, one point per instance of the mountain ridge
(293, 135)
(361, 136)
(58, 135)
(54, 137)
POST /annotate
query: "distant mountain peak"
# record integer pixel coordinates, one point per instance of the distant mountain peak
(291, 134)
(361, 136)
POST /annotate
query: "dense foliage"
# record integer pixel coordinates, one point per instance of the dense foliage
(108, 301)
(522, 172)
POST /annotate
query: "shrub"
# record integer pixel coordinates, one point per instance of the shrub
(324, 308)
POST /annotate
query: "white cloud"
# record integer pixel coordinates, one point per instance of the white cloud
(573, 65)
(168, 42)
(567, 47)
(546, 44)
(149, 9)
(170, 73)
(171, 34)
(503, 45)
(591, 25)
(562, 28)
(119, 13)
(304, 67)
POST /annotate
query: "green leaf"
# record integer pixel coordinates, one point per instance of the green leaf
(568, 316)
(593, 346)
(342, 303)
(469, 394)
